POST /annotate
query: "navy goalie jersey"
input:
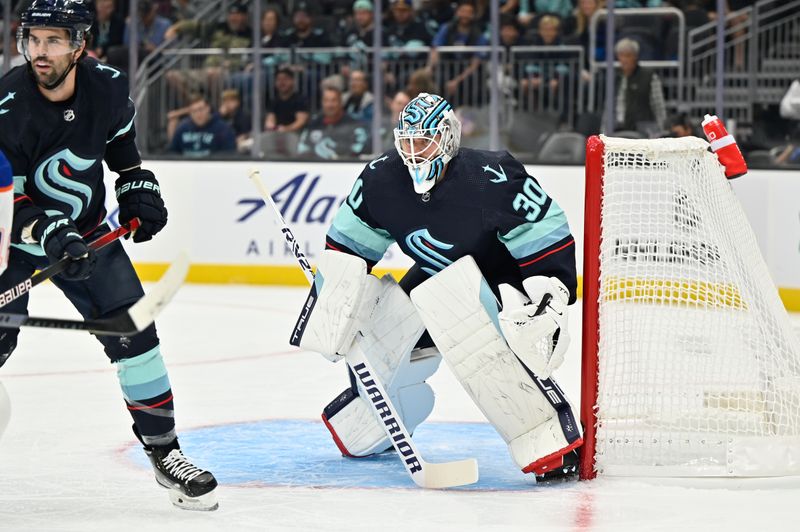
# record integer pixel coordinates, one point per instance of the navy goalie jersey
(56, 149)
(486, 206)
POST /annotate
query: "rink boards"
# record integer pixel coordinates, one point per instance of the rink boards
(215, 212)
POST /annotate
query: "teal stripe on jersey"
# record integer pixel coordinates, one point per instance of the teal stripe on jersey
(531, 238)
(19, 184)
(348, 229)
(142, 369)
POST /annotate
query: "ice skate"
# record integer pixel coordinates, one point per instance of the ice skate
(190, 487)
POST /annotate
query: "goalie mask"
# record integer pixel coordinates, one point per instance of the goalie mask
(427, 138)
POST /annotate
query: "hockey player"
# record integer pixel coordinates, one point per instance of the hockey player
(61, 115)
(477, 225)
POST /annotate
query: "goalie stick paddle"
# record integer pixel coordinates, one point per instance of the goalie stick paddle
(15, 292)
(424, 474)
(125, 323)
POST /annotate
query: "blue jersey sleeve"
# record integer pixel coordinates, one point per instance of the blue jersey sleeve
(532, 226)
(355, 231)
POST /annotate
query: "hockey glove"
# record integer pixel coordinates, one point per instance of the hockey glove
(139, 196)
(538, 336)
(59, 237)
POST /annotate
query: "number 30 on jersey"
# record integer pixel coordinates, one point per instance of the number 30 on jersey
(530, 201)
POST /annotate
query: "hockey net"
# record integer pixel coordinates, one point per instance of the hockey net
(690, 363)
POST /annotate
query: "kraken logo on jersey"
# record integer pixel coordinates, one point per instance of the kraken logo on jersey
(54, 173)
(424, 246)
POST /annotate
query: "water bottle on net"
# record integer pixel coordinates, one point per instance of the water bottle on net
(724, 145)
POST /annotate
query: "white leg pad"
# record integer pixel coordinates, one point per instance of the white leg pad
(387, 337)
(532, 415)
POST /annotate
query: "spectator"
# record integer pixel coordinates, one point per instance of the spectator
(288, 111)
(543, 86)
(359, 34)
(271, 37)
(203, 133)
(186, 9)
(108, 28)
(333, 134)
(151, 31)
(463, 31)
(152, 27)
(681, 126)
(303, 33)
(391, 118)
(578, 32)
(405, 31)
(637, 3)
(231, 112)
(640, 100)
(358, 101)
(235, 32)
(560, 8)
(420, 81)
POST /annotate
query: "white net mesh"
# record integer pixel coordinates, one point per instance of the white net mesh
(699, 368)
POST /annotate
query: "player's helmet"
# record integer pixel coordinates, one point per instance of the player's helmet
(73, 15)
(427, 138)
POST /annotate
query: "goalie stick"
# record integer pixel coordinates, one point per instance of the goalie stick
(125, 323)
(15, 292)
(424, 474)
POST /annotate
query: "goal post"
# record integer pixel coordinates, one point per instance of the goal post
(690, 364)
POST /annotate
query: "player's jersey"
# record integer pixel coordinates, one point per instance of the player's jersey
(486, 206)
(56, 149)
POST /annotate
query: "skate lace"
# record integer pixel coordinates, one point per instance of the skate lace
(179, 466)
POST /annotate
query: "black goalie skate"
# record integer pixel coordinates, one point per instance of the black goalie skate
(567, 470)
(190, 487)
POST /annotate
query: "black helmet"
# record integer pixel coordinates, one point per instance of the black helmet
(73, 15)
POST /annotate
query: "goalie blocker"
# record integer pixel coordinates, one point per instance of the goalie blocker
(531, 414)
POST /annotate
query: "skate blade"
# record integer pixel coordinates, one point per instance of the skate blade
(203, 503)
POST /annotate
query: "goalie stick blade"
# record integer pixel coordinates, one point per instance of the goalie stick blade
(130, 322)
(449, 474)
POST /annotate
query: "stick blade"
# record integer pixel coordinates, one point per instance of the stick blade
(449, 474)
(145, 311)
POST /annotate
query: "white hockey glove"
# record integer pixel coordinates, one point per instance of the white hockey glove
(535, 327)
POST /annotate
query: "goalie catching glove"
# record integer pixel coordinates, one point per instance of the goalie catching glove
(535, 326)
(139, 196)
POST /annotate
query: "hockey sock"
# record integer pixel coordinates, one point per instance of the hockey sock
(145, 386)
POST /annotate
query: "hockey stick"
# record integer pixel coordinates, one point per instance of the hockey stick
(126, 323)
(424, 474)
(15, 292)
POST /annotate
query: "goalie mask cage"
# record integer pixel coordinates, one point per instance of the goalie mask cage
(690, 363)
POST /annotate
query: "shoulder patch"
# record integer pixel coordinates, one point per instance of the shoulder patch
(4, 101)
(115, 73)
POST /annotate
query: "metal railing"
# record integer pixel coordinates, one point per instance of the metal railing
(536, 81)
(761, 58)
(648, 27)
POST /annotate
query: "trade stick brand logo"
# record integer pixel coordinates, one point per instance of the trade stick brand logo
(302, 321)
(424, 246)
(15, 291)
(53, 177)
(388, 417)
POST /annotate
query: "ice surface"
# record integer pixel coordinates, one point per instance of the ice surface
(248, 408)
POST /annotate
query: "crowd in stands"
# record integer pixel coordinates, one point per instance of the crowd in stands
(310, 109)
